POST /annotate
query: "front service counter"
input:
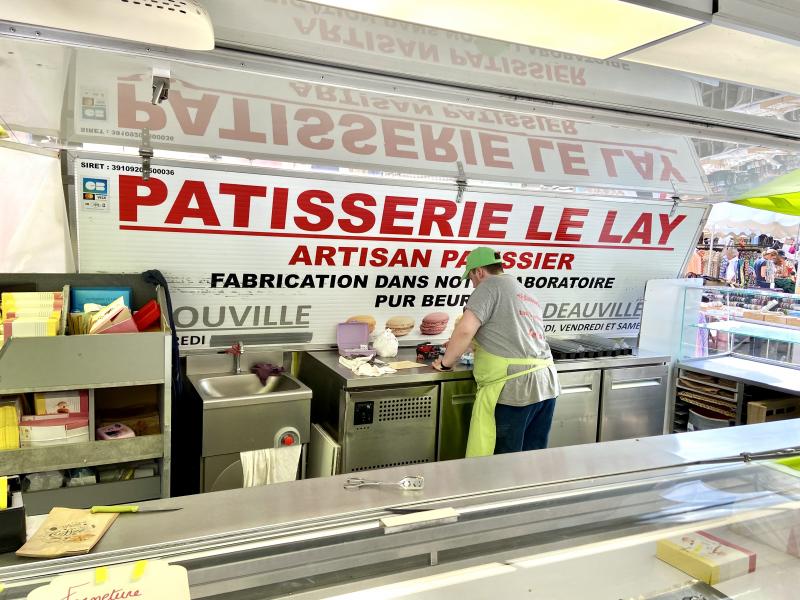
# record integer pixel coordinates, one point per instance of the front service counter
(526, 524)
(420, 415)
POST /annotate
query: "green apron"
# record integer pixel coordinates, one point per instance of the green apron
(491, 373)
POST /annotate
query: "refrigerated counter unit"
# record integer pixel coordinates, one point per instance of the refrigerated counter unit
(422, 415)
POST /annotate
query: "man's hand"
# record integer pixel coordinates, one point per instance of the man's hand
(437, 364)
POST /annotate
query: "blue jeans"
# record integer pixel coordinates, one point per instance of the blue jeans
(523, 427)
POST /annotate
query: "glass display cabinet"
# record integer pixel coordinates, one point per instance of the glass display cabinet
(711, 532)
(740, 358)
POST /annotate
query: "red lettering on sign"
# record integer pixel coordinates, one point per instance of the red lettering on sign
(242, 197)
(353, 205)
(605, 233)
(182, 209)
(438, 212)
(567, 222)
(668, 227)
(489, 218)
(130, 200)
(534, 232)
(642, 230)
(391, 213)
(305, 202)
(280, 200)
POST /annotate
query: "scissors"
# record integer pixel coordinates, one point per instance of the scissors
(411, 482)
(128, 508)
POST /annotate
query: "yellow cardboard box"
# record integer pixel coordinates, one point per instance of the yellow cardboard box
(706, 557)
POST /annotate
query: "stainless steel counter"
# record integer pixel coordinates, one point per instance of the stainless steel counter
(289, 513)
(330, 360)
(775, 377)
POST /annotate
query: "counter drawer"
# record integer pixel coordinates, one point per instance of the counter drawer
(577, 408)
(633, 402)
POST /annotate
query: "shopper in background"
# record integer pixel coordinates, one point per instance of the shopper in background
(733, 273)
(517, 381)
(784, 273)
(765, 269)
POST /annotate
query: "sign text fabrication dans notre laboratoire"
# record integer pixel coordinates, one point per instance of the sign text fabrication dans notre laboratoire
(265, 252)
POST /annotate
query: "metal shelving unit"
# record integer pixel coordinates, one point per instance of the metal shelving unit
(58, 363)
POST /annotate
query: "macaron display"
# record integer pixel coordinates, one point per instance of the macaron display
(369, 320)
(400, 326)
(434, 323)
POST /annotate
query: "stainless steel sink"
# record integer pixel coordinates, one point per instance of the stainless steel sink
(226, 389)
(246, 384)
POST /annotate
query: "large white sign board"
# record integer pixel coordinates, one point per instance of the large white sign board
(285, 258)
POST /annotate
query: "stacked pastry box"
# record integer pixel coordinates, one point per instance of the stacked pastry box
(30, 314)
(61, 418)
(707, 556)
(789, 318)
(703, 402)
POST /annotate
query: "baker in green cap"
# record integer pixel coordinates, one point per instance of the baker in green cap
(517, 381)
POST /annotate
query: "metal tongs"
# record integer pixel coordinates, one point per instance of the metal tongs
(411, 482)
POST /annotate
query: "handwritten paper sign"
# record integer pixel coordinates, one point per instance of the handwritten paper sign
(143, 580)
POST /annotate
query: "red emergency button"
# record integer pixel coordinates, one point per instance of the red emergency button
(287, 440)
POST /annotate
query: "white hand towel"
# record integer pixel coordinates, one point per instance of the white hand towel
(270, 465)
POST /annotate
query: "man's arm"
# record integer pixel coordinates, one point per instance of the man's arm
(460, 340)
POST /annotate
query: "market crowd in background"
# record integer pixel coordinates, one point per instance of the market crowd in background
(746, 263)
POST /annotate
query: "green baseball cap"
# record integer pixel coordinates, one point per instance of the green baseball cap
(481, 257)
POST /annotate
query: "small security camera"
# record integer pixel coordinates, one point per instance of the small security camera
(160, 85)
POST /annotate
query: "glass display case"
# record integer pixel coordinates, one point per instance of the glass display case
(756, 324)
(700, 531)
(739, 358)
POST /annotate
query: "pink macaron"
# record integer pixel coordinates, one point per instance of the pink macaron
(434, 323)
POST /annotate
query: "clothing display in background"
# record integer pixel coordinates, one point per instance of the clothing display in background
(695, 266)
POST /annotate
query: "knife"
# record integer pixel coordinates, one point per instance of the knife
(129, 508)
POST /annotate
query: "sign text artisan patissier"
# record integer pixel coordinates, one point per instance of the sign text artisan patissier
(271, 254)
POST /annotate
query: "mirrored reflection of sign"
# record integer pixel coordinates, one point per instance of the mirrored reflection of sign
(227, 112)
(93, 105)
(313, 30)
(287, 258)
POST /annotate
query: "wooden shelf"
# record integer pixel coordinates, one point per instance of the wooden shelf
(85, 454)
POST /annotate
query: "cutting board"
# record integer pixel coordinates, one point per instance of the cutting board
(406, 364)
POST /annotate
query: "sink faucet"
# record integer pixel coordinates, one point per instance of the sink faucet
(237, 350)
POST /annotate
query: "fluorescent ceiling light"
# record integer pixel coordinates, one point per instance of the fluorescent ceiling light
(727, 54)
(596, 28)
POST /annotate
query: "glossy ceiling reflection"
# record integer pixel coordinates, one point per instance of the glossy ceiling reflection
(238, 108)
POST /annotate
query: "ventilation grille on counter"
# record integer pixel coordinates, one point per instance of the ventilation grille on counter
(402, 409)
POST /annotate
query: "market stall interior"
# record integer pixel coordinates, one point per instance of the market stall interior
(233, 244)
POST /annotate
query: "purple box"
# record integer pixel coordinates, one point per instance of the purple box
(353, 339)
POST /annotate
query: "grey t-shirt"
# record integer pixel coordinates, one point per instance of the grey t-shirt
(512, 327)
